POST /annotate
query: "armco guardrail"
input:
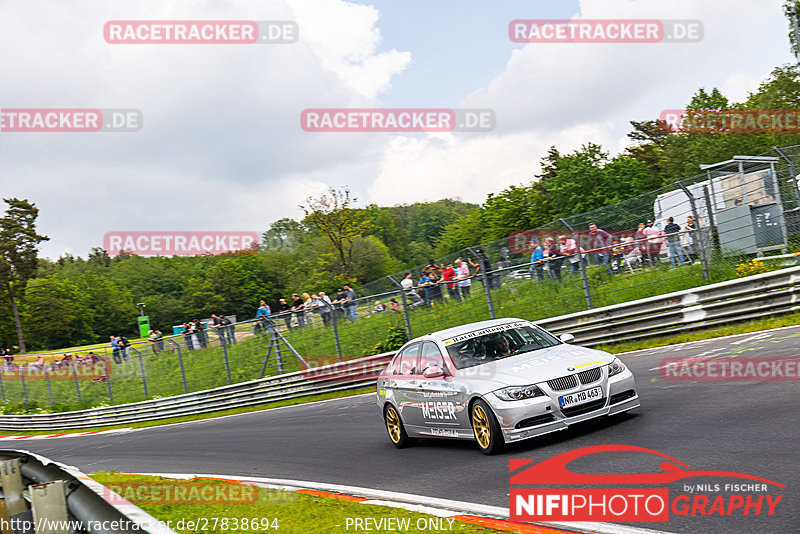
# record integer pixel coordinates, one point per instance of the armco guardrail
(87, 501)
(351, 374)
(701, 307)
(735, 300)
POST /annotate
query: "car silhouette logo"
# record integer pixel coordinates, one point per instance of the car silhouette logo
(554, 470)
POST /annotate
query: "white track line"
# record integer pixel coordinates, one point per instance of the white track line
(444, 506)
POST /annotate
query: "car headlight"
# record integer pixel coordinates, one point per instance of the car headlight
(615, 367)
(518, 393)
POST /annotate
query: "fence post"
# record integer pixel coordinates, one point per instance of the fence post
(587, 292)
(712, 227)
(334, 322)
(786, 158)
(75, 376)
(22, 379)
(2, 387)
(693, 205)
(141, 366)
(405, 307)
(108, 382)
(486, 289)
(225, 355)
(180, 361)
(49, 386)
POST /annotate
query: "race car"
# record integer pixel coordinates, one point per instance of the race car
(497, 382)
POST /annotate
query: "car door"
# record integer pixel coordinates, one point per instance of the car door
(402, 381)
(442, 401)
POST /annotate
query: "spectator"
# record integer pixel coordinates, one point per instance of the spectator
(654, 242)
(378, 307)
(263, 310)
(641, 242)
(617, 253)
(325, 308)
(672, 231)
(159, 340)
(436, 288)
(688, 239)
(552, 256)
(124, 347)
(350, 304)
(449, 274)
(463, 278)
(187, 337)
(228, 328)
(285, 311)
(308, 308)
(299, 309)
(537, 262)
(115, 349)
(394, 305)
(408, 287)
(569, 249)
(599, 241)
(200, 332)
(151, 336)
(424, 288)
(431, 269)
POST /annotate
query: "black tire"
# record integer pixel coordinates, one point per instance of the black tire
(395, 428)
(488, 435)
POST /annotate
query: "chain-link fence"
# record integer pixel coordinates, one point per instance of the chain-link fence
(735, 218)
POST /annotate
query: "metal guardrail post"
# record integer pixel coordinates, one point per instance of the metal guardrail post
(693, 204)
(11, 478)
(405, 307)
(141, 367)
(77, 382)
(180, 361)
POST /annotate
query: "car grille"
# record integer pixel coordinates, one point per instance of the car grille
(584, 408)
(592, 375)
(533, 421)
(562, 383)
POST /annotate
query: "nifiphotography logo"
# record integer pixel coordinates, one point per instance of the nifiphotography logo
(646, 500)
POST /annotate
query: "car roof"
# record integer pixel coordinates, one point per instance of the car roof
(463, 329)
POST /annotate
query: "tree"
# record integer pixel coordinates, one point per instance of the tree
(282, 234)
(333, 214)
(18, 254)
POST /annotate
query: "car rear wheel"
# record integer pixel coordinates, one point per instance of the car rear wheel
(485, 427)
(397, 432)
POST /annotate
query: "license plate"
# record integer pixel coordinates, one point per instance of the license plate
(580, 397)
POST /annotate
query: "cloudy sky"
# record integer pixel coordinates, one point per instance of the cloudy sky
(222, 147)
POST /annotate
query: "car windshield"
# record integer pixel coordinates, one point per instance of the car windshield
(480, 348)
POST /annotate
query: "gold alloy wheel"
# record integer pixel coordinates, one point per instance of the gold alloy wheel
(480, 424)
(393, 424)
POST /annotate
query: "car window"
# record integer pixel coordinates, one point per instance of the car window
(406, 361)
(504, 343)
(431, 355)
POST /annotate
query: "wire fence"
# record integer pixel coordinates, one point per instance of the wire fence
(736, 218)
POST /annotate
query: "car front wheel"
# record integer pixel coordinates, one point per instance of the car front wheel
(486, 429)
(397, 432)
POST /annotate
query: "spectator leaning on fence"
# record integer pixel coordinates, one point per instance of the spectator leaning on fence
(299, 310)
(448, 275)
(567, 247)
(350, 303)
(599, 243)
(552, 255)
(325, 308)
(654, 242)
(462, 275)
(537, 261)
(687, 238)
(285, 311)
(308, 308)
(672, 231)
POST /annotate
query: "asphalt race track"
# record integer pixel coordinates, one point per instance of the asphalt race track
(745, 427)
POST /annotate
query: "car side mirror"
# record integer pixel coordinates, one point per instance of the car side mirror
(567, 338)
(433, 371)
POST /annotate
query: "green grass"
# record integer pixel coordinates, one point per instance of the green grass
(205, 368)
(280, 510)
(710, 333)
(185, 418)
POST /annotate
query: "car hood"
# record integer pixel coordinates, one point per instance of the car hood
(538, 365)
